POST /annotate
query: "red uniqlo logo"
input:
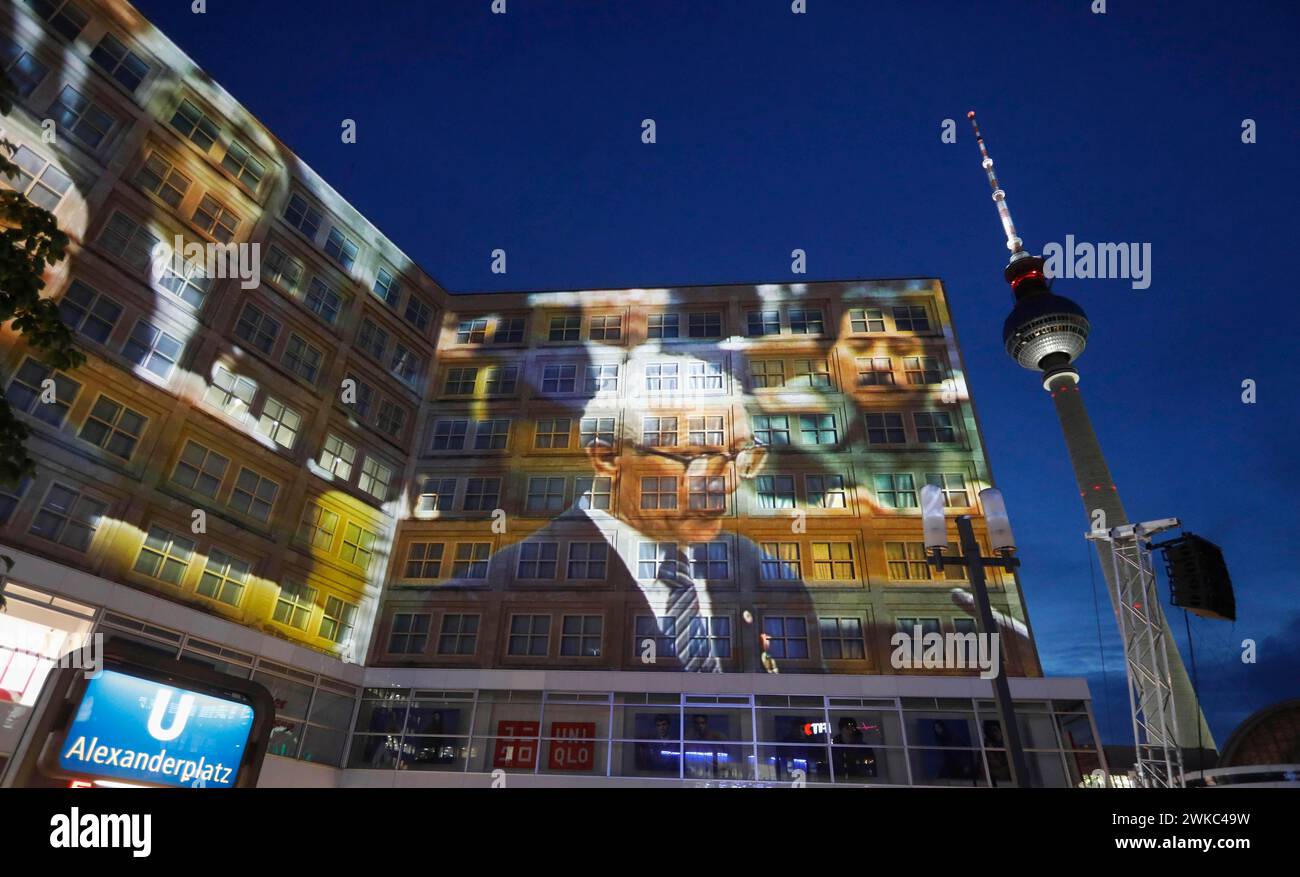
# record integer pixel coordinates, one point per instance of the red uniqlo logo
(578, 755)
(516, 752)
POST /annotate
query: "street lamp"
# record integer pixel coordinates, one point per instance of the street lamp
(1000, 537)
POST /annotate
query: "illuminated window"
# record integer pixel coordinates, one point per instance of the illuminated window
(509, 330)
(596, 432)
(89, 313)
(545, 494)
(863, 320)
(922, 370)
(481, 494)
(661, 376)
(318, 527)
(911, 319)
(279, 422)
(552, 432)
(659, 432)
(759, 323)
(934, 426)
(767, 374)
(257, 328)
(841, 639)
(129, 241)
(302, 215)
(953, 485)
(372, 339)
(775, 491)
(28, 392)
(224, 577)
(788, 636)
(658, 560)
(594, 492)
(587, 560)
(358, 546)
(529, 635)
(81, 117)
(501, 380)
(113, 427)
(376, 478)
(323, 300)
(240, 162)
(459, 634)
(68, 517)
(659, 492)
(337, 457)
(709, 560)
(771, 429)
(875, 371)
(607, 328)
(418, 312)
(826, 491)
(281, 269)
(707, 492)
(907, 561)
(705, 431)
(449, 435)
(471, 561)
(537, 560)
(602, 378)
(814, 373)
(336, 625)
(779, 562)
(120, 62)
(954, 571)
(704, 325)
(491, 435)
(164, 556)
(565, 328)
(387, 288)
(200, 469)
(294, 604)
(559, 378)
(410, 633)
(42, 182)
(472, 331)
(580, 636)
(341, 249)
(706, 376)
(833, 560)
(436, 495)
(662, 325)
(461, 381)
(661, 629)
(302, 358)
(885, 429)
(187, 281)
(896, 490)
(806, 321)
(424, 560)
(817, 429)
(214, 218)
(190, 121)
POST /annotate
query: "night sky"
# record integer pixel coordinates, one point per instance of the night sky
(822, 131)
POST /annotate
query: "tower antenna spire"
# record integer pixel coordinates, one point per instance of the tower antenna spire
(1014, 244)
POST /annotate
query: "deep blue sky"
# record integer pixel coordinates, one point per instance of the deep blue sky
(821, 131)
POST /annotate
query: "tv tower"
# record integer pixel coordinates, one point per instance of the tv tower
(1046, 332)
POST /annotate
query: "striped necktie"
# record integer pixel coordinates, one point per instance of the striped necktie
(688, 624)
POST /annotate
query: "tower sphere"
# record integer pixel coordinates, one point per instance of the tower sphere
(1043, 324)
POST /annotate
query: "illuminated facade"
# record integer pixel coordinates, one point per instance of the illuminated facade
(329, 473)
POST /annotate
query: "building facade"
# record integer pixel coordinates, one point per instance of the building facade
(292, 454)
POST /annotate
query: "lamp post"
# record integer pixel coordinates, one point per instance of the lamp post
(1002, 542)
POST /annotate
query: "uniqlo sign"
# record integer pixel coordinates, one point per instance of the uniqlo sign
(519, 753)
(575, 750)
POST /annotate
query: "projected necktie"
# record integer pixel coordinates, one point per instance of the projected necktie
(684, 609)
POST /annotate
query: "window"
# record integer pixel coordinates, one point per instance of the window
(707, 493)
(552, 432)
(341, 249)
(22, 68)
(908, 625)
(113, 427)
(449, 435)
(302, 358)
(705, 431)
(953, 485)
(256, 327)
(318, 527)
(424, 560)
(471, 561)
(922, 370)
(907, 561)
(69, 517)
(911, 319)
(279, 423)
(214, 218)
(509, 330)
(391, 419)
(545, 494)
(863, 320)
(159, 176)
(481, 494)
(164, 556)
(659, 492)
(596, 432)
(294, 604)
(281, 269)
(42, 182)
(559, 378)
(436, 495)
(580, 636)
(706, 376)
(376, 478)
(81, 117)
(826, 491)
(759, 323)
(565, 328)
(954, 571)
(779, 562)
(789, 636)
(662, 325)
(607, 328)
(65, 17)
(587, 560)
(602, 378)
(537, 560)
(224, 577)
(27, 392)
(771, 430)
(529, 635)
(190, 121)
(709, 636)
(705, 325)
(934, 426)
(358, 546)
(594, 492)
(89, 313)
(418, 312)
(896, 490)
(458, 634)
(885, 429)
(659, 432)
(817, 429)
(662, 630)
(472, 331)
(461, 381)
(405, 365)
(492, 435)
(841, 639)
(661, 376)
(410, 633)
(501, 380)
(337, 457)
(336, 625)
(708, 560)
(323, 300)
(833, 560)
(767, 374)
(200, 469)
(120, 62)
(372, 339)
(775, 491)
(10, 497)
(875, 371)
(130, 242)
(187, 281)
(364, 396)
(302, 215)
(240, 162)
(814, 373)
(806, 321)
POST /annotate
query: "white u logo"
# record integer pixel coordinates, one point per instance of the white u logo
(183, 709)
